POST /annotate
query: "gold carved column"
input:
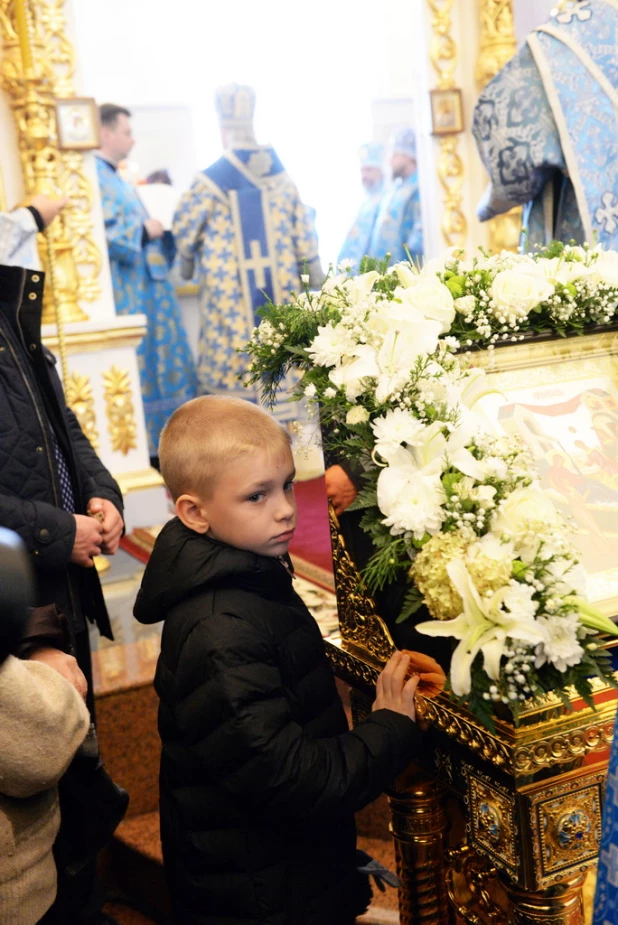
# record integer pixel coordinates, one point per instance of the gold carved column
(418, 824)
(36, 68)
(497, 45)
(443, 55)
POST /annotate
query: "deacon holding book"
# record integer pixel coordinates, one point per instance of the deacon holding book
(141, 252)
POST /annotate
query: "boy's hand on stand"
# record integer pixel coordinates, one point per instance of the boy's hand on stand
(393, 692)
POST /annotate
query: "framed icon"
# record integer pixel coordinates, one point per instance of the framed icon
(446, 112)
(77, 119)
(560, 397)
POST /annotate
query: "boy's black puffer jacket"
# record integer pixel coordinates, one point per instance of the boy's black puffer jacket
(260, 778)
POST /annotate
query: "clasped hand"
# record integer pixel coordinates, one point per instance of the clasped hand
(97, 533)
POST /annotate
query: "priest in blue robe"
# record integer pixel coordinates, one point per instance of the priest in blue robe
(141, 253)
(358, 239)
(398, 229)
(547, 132)
(243, 225)
(606, 896)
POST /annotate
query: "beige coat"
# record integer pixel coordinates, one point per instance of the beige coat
(43, 720)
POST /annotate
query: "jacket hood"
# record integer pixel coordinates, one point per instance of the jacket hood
(183, 562)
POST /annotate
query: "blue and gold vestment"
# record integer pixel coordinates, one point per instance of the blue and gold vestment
(547, 130)
(398, 225)
(139, 276)
(358, 239)
(242, 221)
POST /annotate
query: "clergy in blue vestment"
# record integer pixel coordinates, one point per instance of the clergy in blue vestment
(547, 131)
(243, 224)
(358, 240)
(606, 896)
(398, 229)
(141, 254)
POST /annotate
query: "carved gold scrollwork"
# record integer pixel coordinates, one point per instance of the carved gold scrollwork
(81, 401)
(72, 177)
(497, 40)
(120, 411)
(27, 75)
(359, 624)
(451, 174)
(443, 56)
(477, 875)
(497, 45)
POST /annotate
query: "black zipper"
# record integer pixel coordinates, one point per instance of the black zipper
(31, 392)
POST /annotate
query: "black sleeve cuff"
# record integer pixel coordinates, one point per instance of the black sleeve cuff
(37, 217)
(145, 236)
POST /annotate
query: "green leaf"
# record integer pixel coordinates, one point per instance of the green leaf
(411, 603)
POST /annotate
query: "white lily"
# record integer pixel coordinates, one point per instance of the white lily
(483, 626)
(431, 455)
(358, 287)
(359, 364)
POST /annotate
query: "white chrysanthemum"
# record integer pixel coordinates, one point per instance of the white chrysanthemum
(330, 392)
(560, 646)
(331, 343)
(395, 428)
(357, 415)
(410, 501)
(518, 599)
(310, 391)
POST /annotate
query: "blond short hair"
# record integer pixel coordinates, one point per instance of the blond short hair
(203, 435)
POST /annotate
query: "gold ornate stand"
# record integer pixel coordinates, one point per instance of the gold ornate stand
(529, 798)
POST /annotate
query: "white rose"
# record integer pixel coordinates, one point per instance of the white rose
(465, 304)
(432, 298)
(516, 294)
(523, 507)
(357, 415)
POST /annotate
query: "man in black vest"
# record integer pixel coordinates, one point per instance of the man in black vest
(59, 497)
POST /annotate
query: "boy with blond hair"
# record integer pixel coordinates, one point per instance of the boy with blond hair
(260, 777)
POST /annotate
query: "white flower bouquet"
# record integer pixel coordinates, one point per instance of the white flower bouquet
(451, 506)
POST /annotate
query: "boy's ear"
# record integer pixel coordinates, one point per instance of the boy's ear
(190, 511)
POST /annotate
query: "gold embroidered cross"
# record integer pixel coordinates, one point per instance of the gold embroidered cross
(258, 264)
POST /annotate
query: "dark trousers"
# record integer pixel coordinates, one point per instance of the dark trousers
(80, 898)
